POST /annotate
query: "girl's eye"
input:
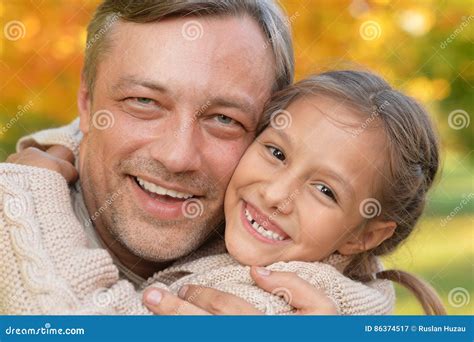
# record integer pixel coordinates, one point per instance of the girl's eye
(223, 119)
(278, 154)
(326, 191)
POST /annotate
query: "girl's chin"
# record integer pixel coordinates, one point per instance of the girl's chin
(244, 252)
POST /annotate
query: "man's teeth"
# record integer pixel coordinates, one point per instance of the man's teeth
(156, 189)
(262, 231)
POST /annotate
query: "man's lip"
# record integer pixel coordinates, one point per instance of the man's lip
(167, 185)
(264, 220)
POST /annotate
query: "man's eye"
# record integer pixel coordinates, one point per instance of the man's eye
(224, 119)
(326, 191)
(144, 100)
(278, 154)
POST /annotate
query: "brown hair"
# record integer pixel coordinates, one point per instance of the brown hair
(267, 14)
(413, 161)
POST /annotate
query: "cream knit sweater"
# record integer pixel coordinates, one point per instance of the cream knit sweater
(51, 261)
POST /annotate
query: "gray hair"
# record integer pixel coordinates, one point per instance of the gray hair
(266, 13)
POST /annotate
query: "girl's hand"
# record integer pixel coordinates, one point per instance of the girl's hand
(56, 158)
(197, 300)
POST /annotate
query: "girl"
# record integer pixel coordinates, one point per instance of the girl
(337, 177)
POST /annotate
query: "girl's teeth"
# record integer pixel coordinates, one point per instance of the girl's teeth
(262, 231)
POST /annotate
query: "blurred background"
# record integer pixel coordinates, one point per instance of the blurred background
(422, 47)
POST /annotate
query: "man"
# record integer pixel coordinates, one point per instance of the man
(170, 97)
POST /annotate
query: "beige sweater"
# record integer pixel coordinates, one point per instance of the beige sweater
(51, 261)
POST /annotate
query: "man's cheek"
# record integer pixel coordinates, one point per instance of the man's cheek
(227, 163)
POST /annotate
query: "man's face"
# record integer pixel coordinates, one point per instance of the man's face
(169, 119)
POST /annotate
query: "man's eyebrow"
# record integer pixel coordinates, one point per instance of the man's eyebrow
(126, 81)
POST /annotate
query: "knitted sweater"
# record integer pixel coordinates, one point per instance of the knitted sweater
(51, 262)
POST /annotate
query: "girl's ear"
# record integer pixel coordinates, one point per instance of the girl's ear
(84, 105)
(374, 233)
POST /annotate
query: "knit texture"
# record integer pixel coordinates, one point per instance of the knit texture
(49, 264)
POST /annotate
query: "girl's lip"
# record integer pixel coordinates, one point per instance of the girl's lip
(255, 234)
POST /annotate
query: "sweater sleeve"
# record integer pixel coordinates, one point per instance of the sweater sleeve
(351, 297)
(69, 136)
(45, 264)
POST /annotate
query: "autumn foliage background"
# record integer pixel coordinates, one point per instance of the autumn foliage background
(422, 47)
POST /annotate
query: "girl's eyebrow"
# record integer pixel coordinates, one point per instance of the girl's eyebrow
(284, 136)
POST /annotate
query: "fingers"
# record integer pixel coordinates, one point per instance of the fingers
(60, 160)
(12, 158)
(61, 152)
(217, 302)
(162, 302)
(68, 171)
(297, 292)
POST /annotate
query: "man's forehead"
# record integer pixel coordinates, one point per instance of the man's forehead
(224, 46)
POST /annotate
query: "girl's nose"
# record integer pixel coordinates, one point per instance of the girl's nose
(279, 193)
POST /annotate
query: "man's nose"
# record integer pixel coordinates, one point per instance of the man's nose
(279, 192)
(177, 147)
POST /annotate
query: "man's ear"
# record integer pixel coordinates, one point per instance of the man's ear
(84, 105)
(373, 234)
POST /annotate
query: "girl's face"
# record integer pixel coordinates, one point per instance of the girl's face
(296, 192)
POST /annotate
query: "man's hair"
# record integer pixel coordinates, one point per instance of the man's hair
(266, 13)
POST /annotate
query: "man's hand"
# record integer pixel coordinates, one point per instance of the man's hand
(197, 300)
(56, 158)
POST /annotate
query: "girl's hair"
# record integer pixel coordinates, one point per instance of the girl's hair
(413, 160)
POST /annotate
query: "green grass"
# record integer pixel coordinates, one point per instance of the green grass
(443, 256)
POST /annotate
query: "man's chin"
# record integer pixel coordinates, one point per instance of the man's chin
(162, 246)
